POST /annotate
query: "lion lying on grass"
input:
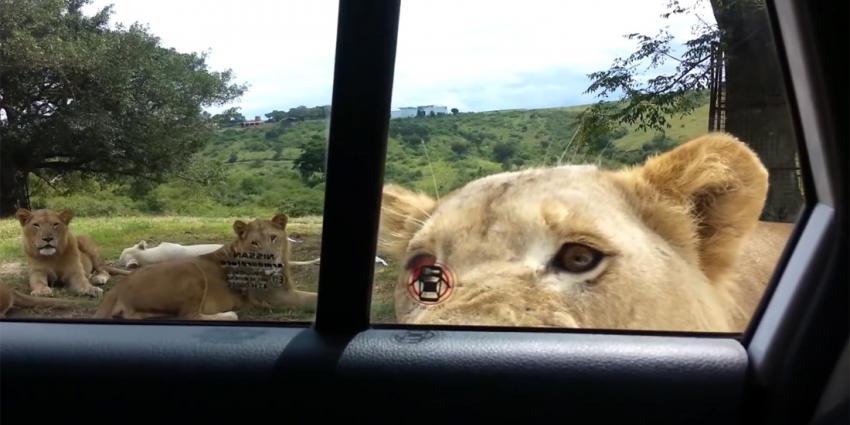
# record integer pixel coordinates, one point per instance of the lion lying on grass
(56, 255)
(201, 287)
(141, 254)
(674, 244)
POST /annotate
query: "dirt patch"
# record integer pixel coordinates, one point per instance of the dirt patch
(11, 269)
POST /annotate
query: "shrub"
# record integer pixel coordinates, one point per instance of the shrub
(460, 148)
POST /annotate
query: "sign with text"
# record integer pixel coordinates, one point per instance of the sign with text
(253, 270)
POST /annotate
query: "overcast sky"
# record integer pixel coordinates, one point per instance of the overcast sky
(472, 55)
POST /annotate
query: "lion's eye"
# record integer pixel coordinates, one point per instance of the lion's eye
(55, 225)
(35, 225)
(577, 258)
(274, 238)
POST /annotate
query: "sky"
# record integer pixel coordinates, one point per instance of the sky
(473, 55)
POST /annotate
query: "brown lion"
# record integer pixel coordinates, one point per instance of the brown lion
(198, 287)
(56, 255)
(674, 244)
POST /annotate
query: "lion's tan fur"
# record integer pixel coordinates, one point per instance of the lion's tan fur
(685, 249)
(196, 288)
(74, 259)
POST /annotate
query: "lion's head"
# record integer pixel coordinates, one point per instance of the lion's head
(267, 236)
(648, 247)
(128, 257)
(45, 232)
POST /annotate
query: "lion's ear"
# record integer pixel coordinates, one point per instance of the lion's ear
(66, 216)
(24, 215)
(143, 245)
(280, 220)
(239, 227)
(721, 184)
(402, 215)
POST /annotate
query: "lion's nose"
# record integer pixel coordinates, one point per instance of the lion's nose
(47, 239)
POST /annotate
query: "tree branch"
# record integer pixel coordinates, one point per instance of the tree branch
(680, 77)
(672, 57)
(81, 166)
(47, 182)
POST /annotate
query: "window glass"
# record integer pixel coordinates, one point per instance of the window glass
(163, 159)
(606, 164)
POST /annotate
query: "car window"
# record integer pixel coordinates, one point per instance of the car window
(163, 159)
(604, 165)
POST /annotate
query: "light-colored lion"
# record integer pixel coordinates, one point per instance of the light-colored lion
(141, 254)
(674, 244)
(197, 287)
(56, 255)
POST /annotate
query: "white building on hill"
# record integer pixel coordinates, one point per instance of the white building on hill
(412, 111)
(406, 112)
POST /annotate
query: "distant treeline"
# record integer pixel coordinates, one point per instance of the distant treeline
(232, 117)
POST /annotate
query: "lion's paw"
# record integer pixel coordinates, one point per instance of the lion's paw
(42, 292)
(100, 279)
(228, 315)
(92, 291)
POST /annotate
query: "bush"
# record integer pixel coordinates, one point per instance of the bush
(300, 202)
(619, 132)
(251, 185)
(409, 131)
(504, 151)
(659, 143)
(256, 146)
(272, 134)
(460, 148)
(100, 203)
(401, 173)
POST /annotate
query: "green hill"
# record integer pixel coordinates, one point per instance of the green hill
(257, 174)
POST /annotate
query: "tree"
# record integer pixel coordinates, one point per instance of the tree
(503, 152)
(78, 96)
(455, 111)
(756, 109)
(304, 113)
(276, 115)
(312, 159)
(228, 118)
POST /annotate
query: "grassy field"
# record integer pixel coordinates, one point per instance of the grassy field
(681, 129)
(116, 233)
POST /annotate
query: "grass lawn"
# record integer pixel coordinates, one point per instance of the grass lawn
(681, 130)
(113, 234)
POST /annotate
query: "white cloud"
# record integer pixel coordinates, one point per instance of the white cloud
(476, 55)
